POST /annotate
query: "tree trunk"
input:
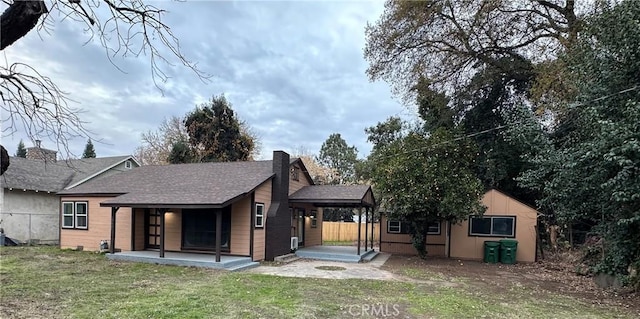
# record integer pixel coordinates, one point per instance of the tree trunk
(18, 19)
(4, 159)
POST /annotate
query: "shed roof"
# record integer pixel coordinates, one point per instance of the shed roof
(335, 195)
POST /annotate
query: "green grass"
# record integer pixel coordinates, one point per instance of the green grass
(46, 282)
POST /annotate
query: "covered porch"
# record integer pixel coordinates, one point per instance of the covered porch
(341, 196)
(182, 233)
(230, 263)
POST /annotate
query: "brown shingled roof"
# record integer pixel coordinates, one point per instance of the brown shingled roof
(201, 184)
(334, 195)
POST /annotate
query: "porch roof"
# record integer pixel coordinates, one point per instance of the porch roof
(335, 196)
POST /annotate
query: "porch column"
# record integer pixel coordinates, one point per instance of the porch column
(218, 233)
(372, 228)
(112, 244)
(162, 213)
(359, 228)
(366, 229)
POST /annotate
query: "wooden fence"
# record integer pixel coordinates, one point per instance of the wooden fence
(339, 231)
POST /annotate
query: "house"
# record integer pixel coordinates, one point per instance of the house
(253, 210)
(505, 217)
(30, 207)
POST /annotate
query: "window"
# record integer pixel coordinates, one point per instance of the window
(295, 173)
(314, 219)
(393, 226)
(397, 227)
(67, 215)
(81, 215)
(434, 229)
(199, 229)
(75, 215)
(497, 226)
(127, 164)
(259, 215)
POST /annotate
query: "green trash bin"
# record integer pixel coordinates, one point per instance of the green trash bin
(491, 252)
(508, 249)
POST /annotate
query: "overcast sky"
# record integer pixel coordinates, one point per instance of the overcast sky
(293, 70)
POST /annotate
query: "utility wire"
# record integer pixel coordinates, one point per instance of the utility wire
(504, 125)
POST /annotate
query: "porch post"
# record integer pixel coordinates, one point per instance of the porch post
(218, 233)
(372, 228)
(359, 228)
(366, 229)
(161, 211)
(112, 244)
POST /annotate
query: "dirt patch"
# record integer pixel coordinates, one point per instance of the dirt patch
(546, 276)
(332, 268)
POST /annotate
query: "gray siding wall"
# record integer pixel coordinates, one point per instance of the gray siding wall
(115, 170)
(27, 215)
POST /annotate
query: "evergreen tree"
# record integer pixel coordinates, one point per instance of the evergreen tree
(89, 151)
(21, 151)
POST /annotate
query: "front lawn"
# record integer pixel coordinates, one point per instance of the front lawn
(45, 282)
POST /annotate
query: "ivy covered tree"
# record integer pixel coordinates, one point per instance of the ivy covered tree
(425, 178)
(89, 151)
(21, 151)
(216, 134)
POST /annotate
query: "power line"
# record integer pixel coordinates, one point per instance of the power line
(505, 125)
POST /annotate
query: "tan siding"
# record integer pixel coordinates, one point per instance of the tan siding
(240, 227)
(401, 243)
(300, 183)
(262, 195)
(139, 229)
(312, 236)
(472, 247)
(258, 244)
(99, 219)
(173, 230)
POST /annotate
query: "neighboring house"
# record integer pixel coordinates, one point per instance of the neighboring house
(30, 207)
(505, 217)
(251, 209)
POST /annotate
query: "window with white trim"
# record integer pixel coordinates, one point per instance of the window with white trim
(259, 223)
(314, 218)
(67, 215)
(494, 226)
(127, 164)
(394, 226)
(75, 215)
(433, 229)
(81, 215)
(397, 227)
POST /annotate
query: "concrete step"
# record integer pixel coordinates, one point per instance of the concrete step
(329, 256)
(367, 257)
(288, 258)
(244, 266)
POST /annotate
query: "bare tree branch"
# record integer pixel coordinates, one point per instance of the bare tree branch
(126, 28)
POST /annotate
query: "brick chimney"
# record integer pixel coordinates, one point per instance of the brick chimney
(278, 226)
(39, 153)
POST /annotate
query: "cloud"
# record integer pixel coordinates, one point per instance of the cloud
(293, 71)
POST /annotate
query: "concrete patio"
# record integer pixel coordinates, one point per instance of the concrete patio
(347, 254)
(230, 263)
